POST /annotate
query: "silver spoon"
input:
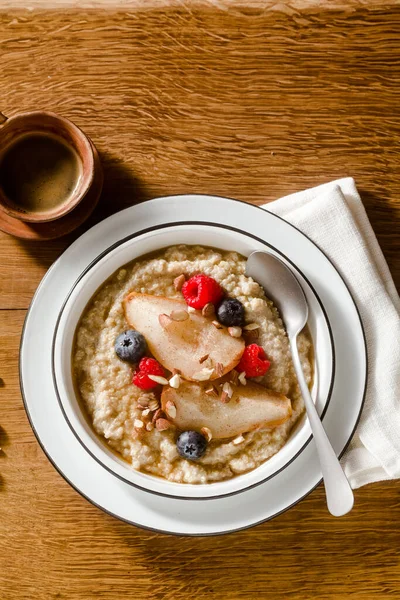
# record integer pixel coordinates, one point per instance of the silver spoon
(286, 292)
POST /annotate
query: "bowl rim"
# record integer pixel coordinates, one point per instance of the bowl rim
(139, 233)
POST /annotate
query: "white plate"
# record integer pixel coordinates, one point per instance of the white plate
(194, 517)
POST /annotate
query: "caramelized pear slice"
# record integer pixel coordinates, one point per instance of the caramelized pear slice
(251, 407)
(182, 343)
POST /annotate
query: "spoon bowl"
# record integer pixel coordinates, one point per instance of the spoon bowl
(283, 289)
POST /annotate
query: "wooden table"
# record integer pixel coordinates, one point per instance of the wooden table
(241, 102)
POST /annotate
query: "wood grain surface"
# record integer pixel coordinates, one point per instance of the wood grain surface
(238, 101)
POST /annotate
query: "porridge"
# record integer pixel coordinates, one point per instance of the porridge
(222, 396)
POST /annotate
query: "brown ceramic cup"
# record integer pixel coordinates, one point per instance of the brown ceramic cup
(43, 122)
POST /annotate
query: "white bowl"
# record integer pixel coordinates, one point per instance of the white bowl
(97, 273)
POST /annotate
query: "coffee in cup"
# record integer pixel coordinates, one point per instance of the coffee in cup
(46, 166)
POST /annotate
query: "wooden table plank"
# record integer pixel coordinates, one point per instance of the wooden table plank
(247, 103)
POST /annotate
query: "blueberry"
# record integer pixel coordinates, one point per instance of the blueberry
(130, 346)
(191, 445)
(231, 313)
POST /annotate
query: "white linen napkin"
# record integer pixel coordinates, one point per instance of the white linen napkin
(333, 216)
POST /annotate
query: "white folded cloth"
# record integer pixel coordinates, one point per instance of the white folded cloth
(333, 216)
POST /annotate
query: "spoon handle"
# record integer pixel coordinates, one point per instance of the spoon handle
(339, 495)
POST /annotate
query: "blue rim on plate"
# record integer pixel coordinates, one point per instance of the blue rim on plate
(217, 532)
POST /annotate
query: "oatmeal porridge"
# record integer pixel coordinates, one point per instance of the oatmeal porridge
(237, 356)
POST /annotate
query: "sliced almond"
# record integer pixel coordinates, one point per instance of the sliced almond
(203, 375)
(149, 427)
(178, 282)
(138, 424)
(234, 375)
(251, 327)
(191, 309)
(157, 415)
(228, 389)
(235, 332)
(158, 379)
(212, 391)
(203, 358)
(143, 402)
(225, 397)
(251, 336)
(217, 325)
(164, 320)
(175, 381)
(219, 369)
(207, 433)
(163, 424)
(170, 409)
(179, 315)
(154, 404)
(146, 412)
(242, 378)
(238, 440)
(208, 310)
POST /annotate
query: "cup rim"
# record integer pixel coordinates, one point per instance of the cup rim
(86, 158)
(101, 458)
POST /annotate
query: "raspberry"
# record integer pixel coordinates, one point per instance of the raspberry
(200, 290)
(254, 361)
(147, 366)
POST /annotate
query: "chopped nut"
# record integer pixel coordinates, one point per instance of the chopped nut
(163, 424)
(191, 309)
(225, 397)
(207, 433)
(170, 409)
(179, 315)
(235, 332)
(138, 424)
(212, 391)
(159, 413)
(203, 375)
(234, 377)
(154, 404)
(175, 381)
(242, 378)
(146, 412)
(158, 379)
(251, 336)
(178, 282)
(208, 310)
(219, 369)
(251, 326)
(238, 440)
(164, 320)
(217, 325)
(143, 402)
(203, 358)
(149, 426)
(228, 389)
